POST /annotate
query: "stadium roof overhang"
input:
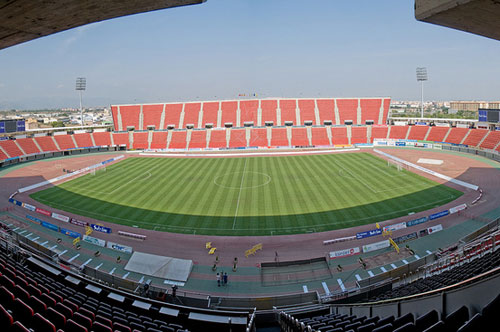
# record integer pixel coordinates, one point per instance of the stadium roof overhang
(24, 20)
(480, 17)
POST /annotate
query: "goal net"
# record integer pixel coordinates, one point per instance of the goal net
(98, 170)
(396, 165)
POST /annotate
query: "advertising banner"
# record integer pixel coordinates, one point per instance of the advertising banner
(405, 238)
(458, 208)
(434, 229)
(94, 240)
(44, 212)
(416, 221)
(50, 226)
(60, 217)
(100, 228)
(362, 235)
(34, 219)
(78, 222)
(439, 214)
(29, 207)
(376, 246)
(119, 247)
(70, 233)
(344, 253)
(394, 227)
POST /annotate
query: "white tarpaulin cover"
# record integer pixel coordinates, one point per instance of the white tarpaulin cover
(160, 266)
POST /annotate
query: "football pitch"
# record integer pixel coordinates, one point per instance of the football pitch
(248, 196)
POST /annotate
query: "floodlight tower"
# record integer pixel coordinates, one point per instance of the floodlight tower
(421, 77)
(81, 85)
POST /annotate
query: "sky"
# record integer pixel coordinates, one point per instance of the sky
(279, 48)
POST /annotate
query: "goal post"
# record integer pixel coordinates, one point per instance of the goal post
(397, 165)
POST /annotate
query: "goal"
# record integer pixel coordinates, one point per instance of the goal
(397, 165)
(97, 170)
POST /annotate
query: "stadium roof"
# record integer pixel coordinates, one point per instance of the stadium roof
(480, 17)
(24, 20)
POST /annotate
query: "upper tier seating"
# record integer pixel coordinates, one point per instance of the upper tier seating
(269, 111)
(437, 134)
(217, 139)
(238, 138)
(288, 111)
(198, 139)
(398, 132)
(191, 114)
(306, 107)
(475, 136)
(130, 116)
(249, 111)
(379, 132)
(370, 110)
(3, 156)
(114, 113)
(210, 111)
(172, 115)
(151, 115)
(491, 141)
(339, 136)
(83, 140)
(387, 104)
(359, 135)
(28, 145)
(102, 138)
(258, 137)
(65, 142)
(299, 137)
(120, 139)
(141, 140)
(278, 137)
(46, 143)
(178, 140)
(11, 148)
(320, 136)
(326, 109)
(229, 112)
(348, 110)
(456, 135)
(159, 140)
(418, 132)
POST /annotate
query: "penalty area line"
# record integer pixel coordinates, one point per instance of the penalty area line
(239, 194)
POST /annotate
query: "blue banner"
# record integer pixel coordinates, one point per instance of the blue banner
(439, 214)
(416, 221)
(50, 226)
(400, 143)
(373, 232)
(11, 200)
(34, 219)
(20, 125)
(100, 228)
(70, 233)
(2, 127)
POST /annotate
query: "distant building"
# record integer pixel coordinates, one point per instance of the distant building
(473, 106)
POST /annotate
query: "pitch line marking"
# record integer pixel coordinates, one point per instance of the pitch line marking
(239, 188)
(239, 194)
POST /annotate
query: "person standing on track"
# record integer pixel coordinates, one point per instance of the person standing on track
(218, 279)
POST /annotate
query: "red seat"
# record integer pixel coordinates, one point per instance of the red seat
(73, 326)
(82, 320)
(34, 291)
(6, 319)
(49, 301)
(18, 327)
(67, 312)
(37, 304)
(87, 313)
(6, 296)
(103, 320)
(70, 305)
(22, 312)
(42, 324)
(99, 327)
(120, 327)
(56, 318)
(21, 293)
(7, 282)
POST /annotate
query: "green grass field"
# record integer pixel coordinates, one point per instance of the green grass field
(248, 196)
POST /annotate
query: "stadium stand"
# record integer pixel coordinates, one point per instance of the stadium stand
(141, 140)
(172, 115)
(114, 113)
(370, 110)
(306, 107)
(229, 112)
(178, 140)
(320, 136)
(299, 137)
(456, 135)
(339, 136)
(278, 137)
(130, 116)
(10, 147)
(385, 114)
(379, 132)
(475, 136)
(28, 145)
(151, 115)
(269, 111)
(65, 142)
(491, 141)
(258, 137)
(198, 139)
(398, 132)
(238, 138)
(102, 138)
(249, 111)
(46, 143)
(83, 140)
(358, 135)
(418, 132)
(288, 111)
(210, 111)
(437, 134)
(191, 114)
(120, 139)
(217, 139)
(348, 110)
(159, 140)
(3, 156)
(326, 109)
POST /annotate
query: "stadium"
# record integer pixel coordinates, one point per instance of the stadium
(262, 214)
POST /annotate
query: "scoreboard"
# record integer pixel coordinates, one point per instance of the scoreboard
(489, 115)
(12, 126)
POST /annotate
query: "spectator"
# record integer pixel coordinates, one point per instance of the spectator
(224, 278)
(218, 279)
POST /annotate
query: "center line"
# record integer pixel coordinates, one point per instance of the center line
(239, 194)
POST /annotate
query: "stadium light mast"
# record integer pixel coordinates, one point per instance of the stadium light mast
(422, 77)
(81, 85)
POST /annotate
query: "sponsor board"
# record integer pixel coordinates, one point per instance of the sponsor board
(434, 229)
(119, 247)
(376, 246)
(34, 219)
(78, 222)
(416, 221)
(44, 212)
(344, 253)
(458, 208)
(405, 238)
(100, 228)
(60, 217)
(19, 203)
(94, 240)
(29, 207)
(439, 214)
(394, 227)
(400, 143)
(70, 233)
(49, 226)
(373, 232)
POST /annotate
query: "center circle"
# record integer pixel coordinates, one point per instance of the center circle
(239, 180)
